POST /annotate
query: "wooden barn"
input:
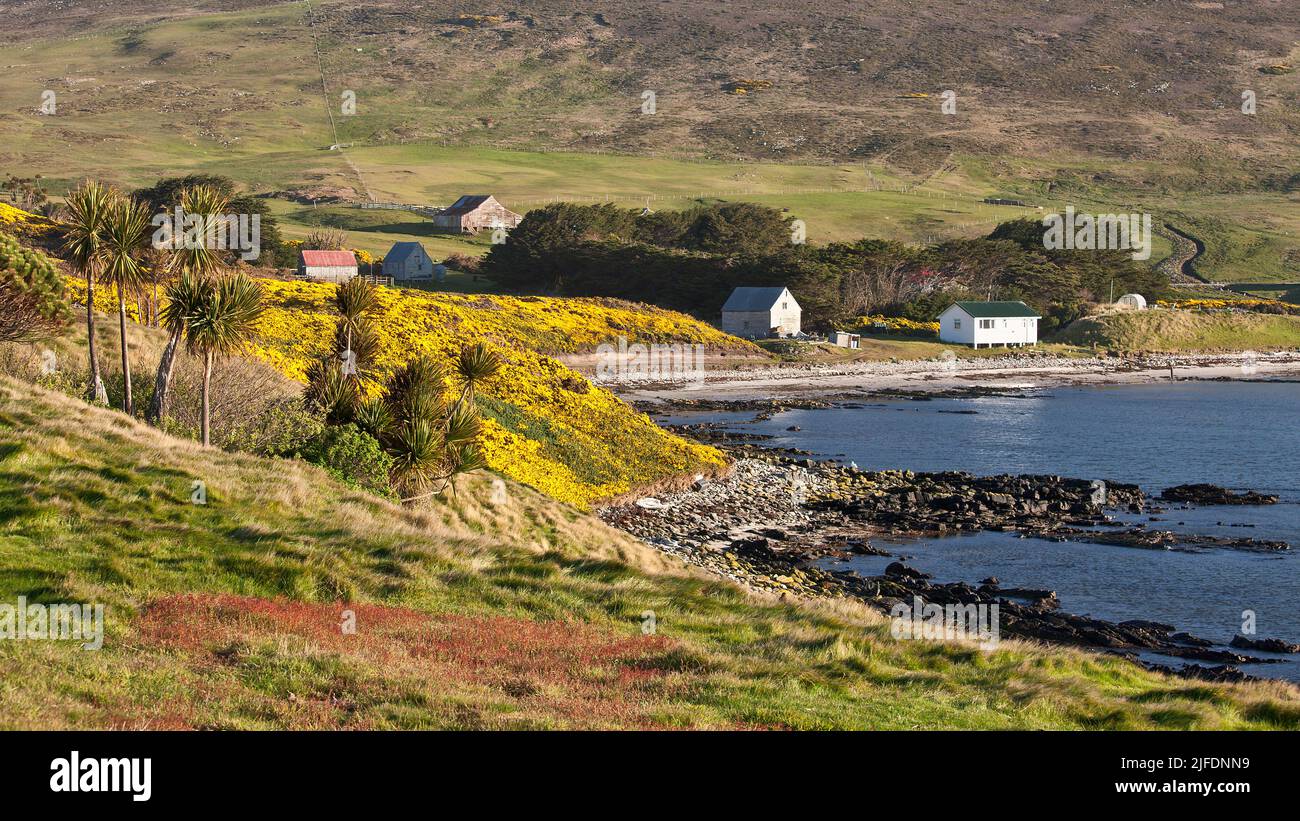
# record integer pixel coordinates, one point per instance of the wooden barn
(473, 213)
(330, 266)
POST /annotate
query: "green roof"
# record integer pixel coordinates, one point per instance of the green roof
(991, 310)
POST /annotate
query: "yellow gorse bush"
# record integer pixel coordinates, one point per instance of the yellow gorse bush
(897, 324)
(17, 221)
(544, 424)
(1246, 304)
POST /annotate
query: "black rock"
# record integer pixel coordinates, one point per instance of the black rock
(903, 571)
(1205, 494)
(1267, 645)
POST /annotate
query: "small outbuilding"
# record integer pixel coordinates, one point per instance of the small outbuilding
(473, 213)
(846, 340)
(1010, 324)
(759, 313)
(329, 266)
(407, 261)
(1132, 302)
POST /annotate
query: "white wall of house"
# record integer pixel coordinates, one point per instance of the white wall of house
(787, 315)
(329, 273)
(416, 266)
(747, 324)
(959, 327)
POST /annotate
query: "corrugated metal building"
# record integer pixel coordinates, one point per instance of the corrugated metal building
(330, 266)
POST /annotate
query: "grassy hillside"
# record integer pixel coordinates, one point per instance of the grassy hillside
(1184, 331)
(545, 425)
(543, 100)
(518, 613)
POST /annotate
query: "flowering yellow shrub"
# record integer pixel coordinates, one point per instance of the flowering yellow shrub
(17, 221)
(1249, 304)
(105, 297)
(897, 324)
(544, 424)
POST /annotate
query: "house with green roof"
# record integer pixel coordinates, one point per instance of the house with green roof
(986, 324)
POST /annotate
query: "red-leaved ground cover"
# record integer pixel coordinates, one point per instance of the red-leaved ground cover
(291, 663)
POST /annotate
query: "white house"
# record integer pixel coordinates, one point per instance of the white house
(758, 313)
(1133, 302)
(989, 323)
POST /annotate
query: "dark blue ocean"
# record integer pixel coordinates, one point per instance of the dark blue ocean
(1242, 435)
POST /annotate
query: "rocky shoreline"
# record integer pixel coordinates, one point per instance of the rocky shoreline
(771, 524)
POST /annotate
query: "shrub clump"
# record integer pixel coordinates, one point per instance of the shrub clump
(33, 304)
(352, 456)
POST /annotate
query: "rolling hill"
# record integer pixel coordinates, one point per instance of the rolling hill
(833, 111)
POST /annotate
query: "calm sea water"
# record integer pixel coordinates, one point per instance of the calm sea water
(1244, 436)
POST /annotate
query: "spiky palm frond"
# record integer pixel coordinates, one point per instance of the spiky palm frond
(201, 258)
(225, 316)
(184, 296)
(373, 416)
(419, 458)
(463, 425)
(415, 391)
(466, 458)
(363, 341)
(354, 299)
(124, 243)
(330, 390)
(475, 366)
(83, 225)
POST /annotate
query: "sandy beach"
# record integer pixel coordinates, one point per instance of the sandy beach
(1011, 372)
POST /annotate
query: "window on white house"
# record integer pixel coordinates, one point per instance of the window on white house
(785, 306)
(986, 323)
(956, 323)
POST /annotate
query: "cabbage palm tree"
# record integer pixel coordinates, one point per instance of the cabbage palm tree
(195, 265)
(123, 247)
(83, 230)
(353, 300)
(475, 365)
(223, 319)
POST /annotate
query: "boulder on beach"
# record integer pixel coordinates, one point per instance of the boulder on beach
(1206, 494)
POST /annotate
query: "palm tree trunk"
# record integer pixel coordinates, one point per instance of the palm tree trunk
(207, 384)
(95, 391)
(162, 383)
(126, 361)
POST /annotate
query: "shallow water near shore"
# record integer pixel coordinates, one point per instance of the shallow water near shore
(1242, 435)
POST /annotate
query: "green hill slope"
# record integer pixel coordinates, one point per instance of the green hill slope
(1179, 331)
(468, 613)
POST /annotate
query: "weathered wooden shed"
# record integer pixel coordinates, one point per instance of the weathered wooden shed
(473, 213)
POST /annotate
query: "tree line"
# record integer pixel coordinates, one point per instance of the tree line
(691, 260)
